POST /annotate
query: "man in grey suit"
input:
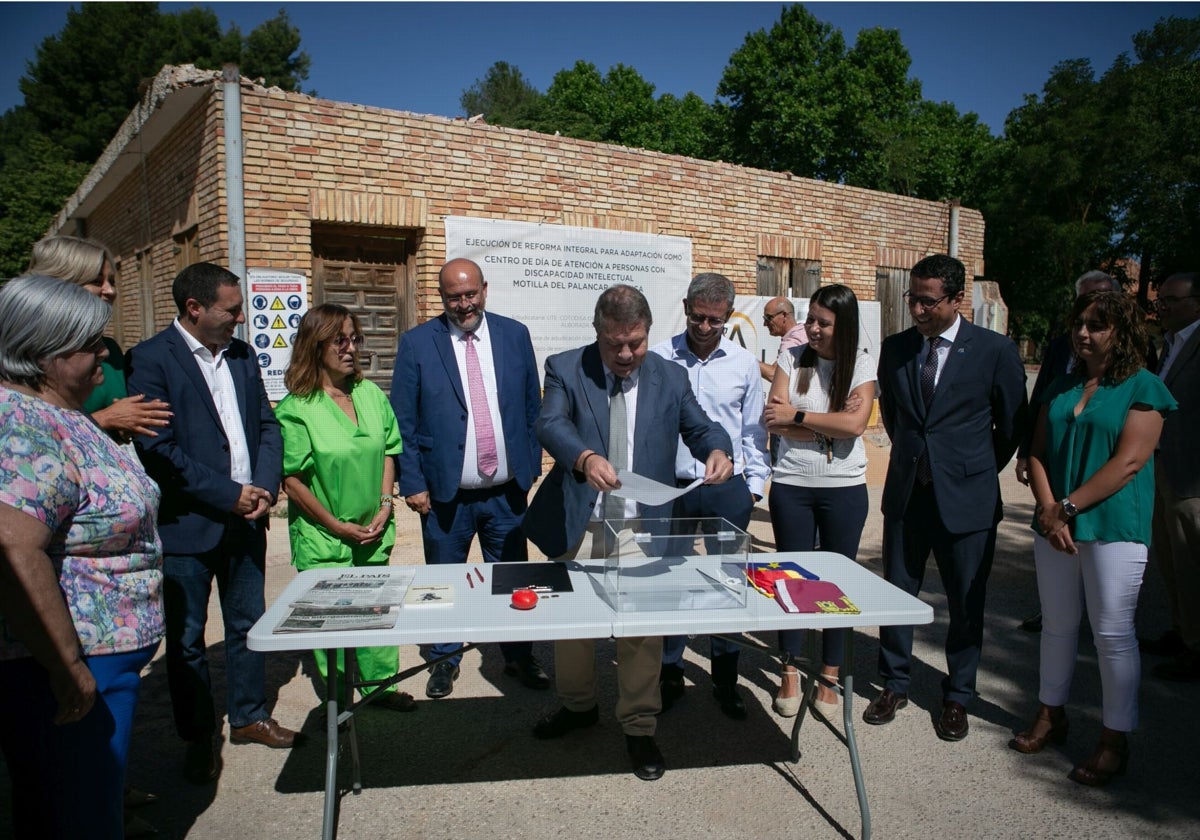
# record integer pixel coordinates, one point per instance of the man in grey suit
(952, 398)
(1176, 537)
(608, 406)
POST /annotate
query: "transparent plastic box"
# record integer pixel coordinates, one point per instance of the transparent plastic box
(657, 565)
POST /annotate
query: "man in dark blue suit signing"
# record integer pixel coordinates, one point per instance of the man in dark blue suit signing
(218, 465)
(608, 406)
(952, 398)
(466, 396)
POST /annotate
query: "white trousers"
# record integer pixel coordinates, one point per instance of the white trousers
(1107, 575)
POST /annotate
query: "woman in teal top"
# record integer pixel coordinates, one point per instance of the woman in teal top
(1092, 477)
(339, 441)
(89, 264)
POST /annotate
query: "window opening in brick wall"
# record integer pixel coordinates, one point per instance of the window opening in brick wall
(793, 278)
(890, 285)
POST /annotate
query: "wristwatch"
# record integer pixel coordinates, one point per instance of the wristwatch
(1069, 509)
(798, 420)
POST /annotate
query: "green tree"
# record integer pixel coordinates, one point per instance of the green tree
(504, 97)
(82, 84)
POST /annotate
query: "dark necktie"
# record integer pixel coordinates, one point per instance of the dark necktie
(1168, 340)
(618, 447)
(929, 370)
(928, 380)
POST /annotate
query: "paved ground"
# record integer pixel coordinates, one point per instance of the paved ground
(467, 766)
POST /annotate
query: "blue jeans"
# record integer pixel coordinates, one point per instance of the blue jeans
(237, 564)
(802, 515)
(731, 500)
(495, 514)
(76, 772)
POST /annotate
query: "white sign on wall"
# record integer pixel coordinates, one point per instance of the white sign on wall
(549, 276)
(277, 302)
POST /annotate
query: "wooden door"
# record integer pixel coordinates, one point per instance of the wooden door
(368, 273)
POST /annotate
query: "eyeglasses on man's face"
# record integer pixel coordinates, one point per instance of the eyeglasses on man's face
(768, 317)
(344, 342)
(696, 319)
(467, 298)
(921, 301)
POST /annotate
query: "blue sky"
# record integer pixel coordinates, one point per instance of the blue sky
(983, 57)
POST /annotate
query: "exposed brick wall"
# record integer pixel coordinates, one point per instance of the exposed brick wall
(309, 159)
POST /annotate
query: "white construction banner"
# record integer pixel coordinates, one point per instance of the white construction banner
(548, 277)
(277, 302)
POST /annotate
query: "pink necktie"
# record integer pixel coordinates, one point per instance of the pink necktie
(485, 436)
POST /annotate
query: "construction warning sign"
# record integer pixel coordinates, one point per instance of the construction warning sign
(276, 304)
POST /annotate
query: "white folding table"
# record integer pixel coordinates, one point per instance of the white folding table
(585, 613)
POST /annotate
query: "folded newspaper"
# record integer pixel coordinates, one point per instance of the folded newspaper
(351, 601)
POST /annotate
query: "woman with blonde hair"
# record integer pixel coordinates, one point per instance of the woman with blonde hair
(89, 264)
(340, 439)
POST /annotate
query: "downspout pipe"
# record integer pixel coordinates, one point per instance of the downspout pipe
(231, 79)
(952, 236)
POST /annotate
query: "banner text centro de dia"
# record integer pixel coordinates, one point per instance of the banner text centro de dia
(548, 277)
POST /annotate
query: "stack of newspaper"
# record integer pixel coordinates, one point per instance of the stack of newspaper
(353, 600)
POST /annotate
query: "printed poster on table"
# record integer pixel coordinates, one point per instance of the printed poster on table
(277, 302)
(549, 276)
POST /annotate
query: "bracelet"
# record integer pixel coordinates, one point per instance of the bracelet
(387, 500)
(585, 460)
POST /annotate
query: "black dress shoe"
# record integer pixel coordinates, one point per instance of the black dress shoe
(884, 707)
(201, 764)
(732, 705)
(647, 761)
(441, 680)
(951, 724)
(529, 672)
(557, 724)
(1169, 643)
(1033, 624)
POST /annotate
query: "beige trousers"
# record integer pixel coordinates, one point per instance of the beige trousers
(639, 660)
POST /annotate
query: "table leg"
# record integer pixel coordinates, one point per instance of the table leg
(860, 787)
(329, 819)
(352, 733)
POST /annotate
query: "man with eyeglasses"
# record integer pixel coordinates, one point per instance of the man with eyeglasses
(725, 379)
(466, 395)
(612, 405)
(219, 463)
(952, 399)
(1176, 529)
(779, 317)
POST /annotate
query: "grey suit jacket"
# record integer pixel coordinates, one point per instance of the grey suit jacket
(1179, 456)
(574, 418)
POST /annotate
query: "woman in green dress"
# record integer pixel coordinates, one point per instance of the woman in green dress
(339, 441)
(89, 264)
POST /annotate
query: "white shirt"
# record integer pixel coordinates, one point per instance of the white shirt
(472, 478)
(215, 370)
(943, 351)
(630, 389)
(1177, 341)
(728, 387)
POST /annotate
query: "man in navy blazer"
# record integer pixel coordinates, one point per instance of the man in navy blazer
(581, 387)
(466, 395)
(218, 466)
(952, 399)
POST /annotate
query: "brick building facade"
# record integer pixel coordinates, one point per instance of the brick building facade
(355, 197)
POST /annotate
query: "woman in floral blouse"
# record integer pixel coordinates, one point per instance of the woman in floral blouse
(80, 568)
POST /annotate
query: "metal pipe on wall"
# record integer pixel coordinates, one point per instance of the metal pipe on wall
(231, 79)
(952, 237)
